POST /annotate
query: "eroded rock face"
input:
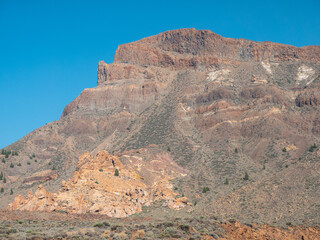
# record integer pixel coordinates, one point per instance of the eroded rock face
(102, 184)
(219, 107)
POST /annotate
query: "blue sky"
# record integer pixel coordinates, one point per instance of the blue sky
(49, 50)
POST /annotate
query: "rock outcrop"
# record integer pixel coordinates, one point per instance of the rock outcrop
(219, 107)
(103, 185)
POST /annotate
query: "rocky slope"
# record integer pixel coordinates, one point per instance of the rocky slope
(221, 108)
(103, 185)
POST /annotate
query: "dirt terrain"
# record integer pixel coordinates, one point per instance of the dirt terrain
(55, 225)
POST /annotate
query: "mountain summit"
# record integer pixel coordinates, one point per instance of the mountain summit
(237, 121)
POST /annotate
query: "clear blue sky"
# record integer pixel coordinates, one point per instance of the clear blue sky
(49, 50)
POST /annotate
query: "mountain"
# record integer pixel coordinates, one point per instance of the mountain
(239, 118)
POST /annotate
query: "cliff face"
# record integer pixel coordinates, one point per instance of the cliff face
(219, 107)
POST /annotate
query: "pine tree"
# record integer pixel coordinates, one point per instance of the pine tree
(226, 182)
(246, 177)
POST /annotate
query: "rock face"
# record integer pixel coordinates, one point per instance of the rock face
(102, 184)
(219, 107)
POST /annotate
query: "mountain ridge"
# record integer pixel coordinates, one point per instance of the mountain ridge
(221, 108)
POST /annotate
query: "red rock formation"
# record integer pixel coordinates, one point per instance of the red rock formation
(96, 188)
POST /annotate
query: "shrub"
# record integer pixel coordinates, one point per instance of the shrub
(19, 164)
(50, 163)
(3, 160)
(284, 149)
(116, 172)
(205, 189)
(168, 149)
(236, 150)
(246, 176)
(1, 176)
(226, 182)
(28, 163)
(11, 165)
(11, 192)
(4, 180)
(33, 155)
(100, 170)
(99, 225)
(2, 190)
(53, 168)
(312, 148)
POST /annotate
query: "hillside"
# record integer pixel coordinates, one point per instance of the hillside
(241, 118)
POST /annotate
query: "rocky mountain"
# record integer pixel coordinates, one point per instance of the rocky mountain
(240, 119)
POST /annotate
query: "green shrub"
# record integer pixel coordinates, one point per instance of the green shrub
(312, 148)
(205, 189)
(28, 163)
(4, 180)
(19, 164)
(226, 182)
(11, 165)
(116, 172)
(3, 160)
(100, 170)
(1, 176)
(54, 168)
(168, 149)
(2, 190)
(33, 155)
(236, 150)
(246, 176)
(284, 149)
(11, 192)
(99, 225)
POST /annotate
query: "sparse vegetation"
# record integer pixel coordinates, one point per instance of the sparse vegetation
(312, 148)
(246, 176)
(54, 168)
(226, 182)
(205, 189)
